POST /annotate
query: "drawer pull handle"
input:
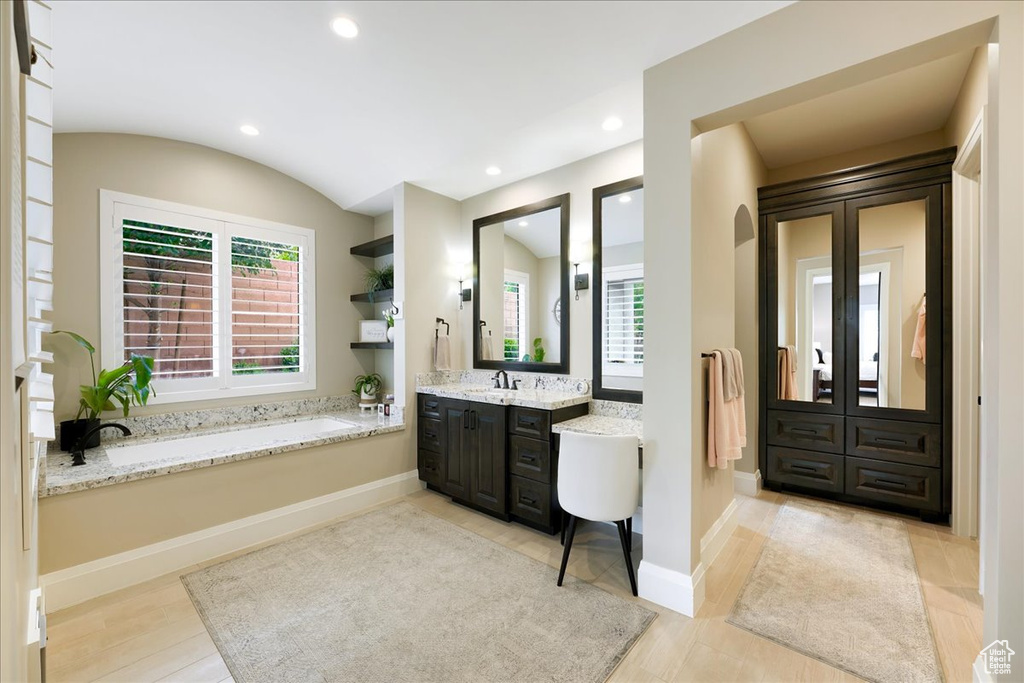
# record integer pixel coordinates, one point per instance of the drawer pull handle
(886, 482)
(528, 501)
(803, 430)
(900, 442)
(806, 468)
(528, 458)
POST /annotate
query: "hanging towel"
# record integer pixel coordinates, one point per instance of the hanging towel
(920, 332)
(486, 350)
(442, 352)
(787, 374)
(732, 373)
(727, 420)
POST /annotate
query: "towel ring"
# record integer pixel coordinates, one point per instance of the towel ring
(438, 322)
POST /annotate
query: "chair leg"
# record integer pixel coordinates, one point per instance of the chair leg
(627, 555)
(561, 517)
(568, 547)
(629, 533)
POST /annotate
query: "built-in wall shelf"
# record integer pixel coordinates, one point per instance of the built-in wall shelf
(375, 248)
(378, 297)
(373, 345)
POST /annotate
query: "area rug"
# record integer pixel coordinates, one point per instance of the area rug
(401, 595)
(841, 585)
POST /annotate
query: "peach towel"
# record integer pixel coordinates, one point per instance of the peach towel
(787, 374)
(920, 333)
(727, 420)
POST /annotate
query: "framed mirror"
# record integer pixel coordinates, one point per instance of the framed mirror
(618, 291)
(521, 268)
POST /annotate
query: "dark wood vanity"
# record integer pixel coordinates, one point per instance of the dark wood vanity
(863, 414)
(497, 459)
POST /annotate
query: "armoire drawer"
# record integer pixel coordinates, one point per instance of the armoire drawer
(429, 467)
(821, 471)
(429, 406)
(887, 482)
(530, 422)
(429, 437)
(810, 431)
(530, 500)
(911, 443)
(529, 458)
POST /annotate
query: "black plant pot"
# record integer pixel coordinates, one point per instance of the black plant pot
(71, 430)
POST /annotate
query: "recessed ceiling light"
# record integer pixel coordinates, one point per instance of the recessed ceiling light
(345, 27)
(612, 123)
(493, 170)
(625, 199)
(250, 130)
(523, 224)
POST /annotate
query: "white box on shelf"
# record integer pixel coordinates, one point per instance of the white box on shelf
(373, 331)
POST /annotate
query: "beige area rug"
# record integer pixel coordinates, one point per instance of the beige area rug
(401, 595)
(841, 585)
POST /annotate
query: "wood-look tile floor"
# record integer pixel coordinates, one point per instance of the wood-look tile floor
(151, 632)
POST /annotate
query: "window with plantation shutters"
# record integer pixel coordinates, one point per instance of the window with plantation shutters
(624, 320)
(515, 312)
(222, 303)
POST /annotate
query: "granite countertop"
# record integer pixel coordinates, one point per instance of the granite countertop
(544, 399)
(61, 477)
(602, 425)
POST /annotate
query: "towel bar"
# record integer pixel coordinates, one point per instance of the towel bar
(441, 321)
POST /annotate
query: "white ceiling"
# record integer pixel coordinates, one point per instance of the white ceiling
(622, 223)
(430, 92)
(542, 234)
(901, 105)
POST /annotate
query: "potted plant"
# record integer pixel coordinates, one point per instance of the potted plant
(378, 279)
(126, 385)
(367, 388)
(390, 319)
(538, 350)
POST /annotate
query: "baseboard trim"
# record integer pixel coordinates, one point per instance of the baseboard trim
(67, 587)
(683, 593)
(746, 483)
(714, 540)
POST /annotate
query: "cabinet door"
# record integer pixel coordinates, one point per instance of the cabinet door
(487, 457)
(455, 425)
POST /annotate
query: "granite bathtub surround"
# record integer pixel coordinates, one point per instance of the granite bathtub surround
(58, 476)
(546, 392)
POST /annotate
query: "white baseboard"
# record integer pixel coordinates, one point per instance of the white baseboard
(669, 588)
(714, 540)
(746, 483)
(73, 585)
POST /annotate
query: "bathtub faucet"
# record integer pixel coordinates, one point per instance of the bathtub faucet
(78, 454)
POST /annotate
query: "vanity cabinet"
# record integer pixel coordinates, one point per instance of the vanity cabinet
(496, 459)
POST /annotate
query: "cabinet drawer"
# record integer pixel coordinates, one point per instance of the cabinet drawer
(906, 485)
(430, 467)
(530, 458)
(806, 430)
(911, 443)
(530, 422)
(530, 500)
(821, 471)
(429, 434)
(429, 406)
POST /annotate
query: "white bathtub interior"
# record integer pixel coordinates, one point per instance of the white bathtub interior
(223, 443)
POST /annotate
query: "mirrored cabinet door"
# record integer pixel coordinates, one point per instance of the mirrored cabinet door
(894, 346)
(803, 320)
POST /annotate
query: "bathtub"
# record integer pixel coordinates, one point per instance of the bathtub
(223, 443)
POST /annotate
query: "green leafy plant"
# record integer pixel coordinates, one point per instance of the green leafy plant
(511, 348)
(368, 384)
(389, 319)
(128, 384)
(290, 357)
(378, 279)
(246, 367)
(538, 350)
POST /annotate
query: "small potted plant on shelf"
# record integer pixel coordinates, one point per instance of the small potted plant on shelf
(367, 388)
(126, 385)
(379, 279)
(389, 318)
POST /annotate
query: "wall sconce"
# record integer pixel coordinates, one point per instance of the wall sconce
(465, 293)
(576, 256)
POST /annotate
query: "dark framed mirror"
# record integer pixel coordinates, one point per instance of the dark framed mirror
(520, 288)
(618, 291)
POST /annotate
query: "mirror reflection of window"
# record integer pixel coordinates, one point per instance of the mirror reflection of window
(516, 318)
(805, 370)
(892, 291)
(622, 295)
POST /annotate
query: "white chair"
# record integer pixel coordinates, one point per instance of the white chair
(597, 480)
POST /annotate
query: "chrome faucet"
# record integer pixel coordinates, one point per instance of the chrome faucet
(503, 375)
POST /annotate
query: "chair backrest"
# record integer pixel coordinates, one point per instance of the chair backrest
(598, 476)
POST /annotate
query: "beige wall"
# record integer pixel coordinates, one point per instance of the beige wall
(180, 172)
(579, 179)
(973, 96)
(729, 170)
(800, 52)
